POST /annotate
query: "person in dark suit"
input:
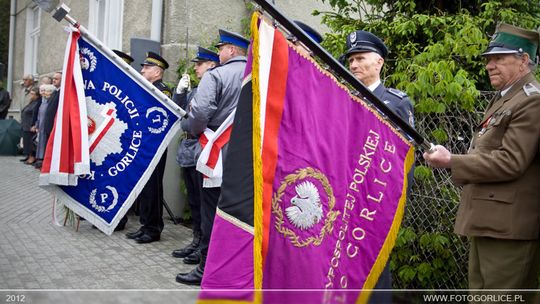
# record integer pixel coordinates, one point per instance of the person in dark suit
(365, 57)
(500, 209)
(27, 121)
(215, 100)
(187, 155)
(151, 197)
(128, 59)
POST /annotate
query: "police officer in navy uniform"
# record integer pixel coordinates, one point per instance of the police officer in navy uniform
(128, 59)
(365, 57)
(151, 197)
(216, 98)
(187, 155)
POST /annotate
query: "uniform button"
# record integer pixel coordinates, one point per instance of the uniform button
(491, 195)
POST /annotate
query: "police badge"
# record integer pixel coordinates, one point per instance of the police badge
(352, 37)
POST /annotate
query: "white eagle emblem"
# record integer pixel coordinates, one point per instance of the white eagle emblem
(306, 209)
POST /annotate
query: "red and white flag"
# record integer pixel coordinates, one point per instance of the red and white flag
(210, 162)
(67, 152)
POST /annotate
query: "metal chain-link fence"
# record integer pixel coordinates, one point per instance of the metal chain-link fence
(428, 254)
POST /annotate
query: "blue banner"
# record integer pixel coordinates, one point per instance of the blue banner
(129, 128)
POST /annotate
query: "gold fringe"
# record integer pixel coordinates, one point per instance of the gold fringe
(384, 254)
(257, 163)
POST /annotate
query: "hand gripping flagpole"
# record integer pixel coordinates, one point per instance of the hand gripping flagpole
(61, 12)
(342, 72)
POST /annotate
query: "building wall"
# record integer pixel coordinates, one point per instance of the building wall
(183, 22)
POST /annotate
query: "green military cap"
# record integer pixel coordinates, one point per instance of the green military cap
(509, 39)
(154, 59)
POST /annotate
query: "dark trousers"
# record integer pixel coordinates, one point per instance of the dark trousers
(193, 181)
(384, 282)
(28, 143)
(210, 197)
(151, 201)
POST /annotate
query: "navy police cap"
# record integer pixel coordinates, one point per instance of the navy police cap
(154, 59)
(362, 41)
(205, 55)
(226, 37)
(128, 59)
(310, 31)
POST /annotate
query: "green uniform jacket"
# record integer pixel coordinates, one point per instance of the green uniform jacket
(501, 172)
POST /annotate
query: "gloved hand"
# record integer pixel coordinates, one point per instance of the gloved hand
(184, 84)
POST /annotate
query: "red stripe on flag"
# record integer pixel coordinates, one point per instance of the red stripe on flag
(203, 140)
(69, 105)
(274, 109)
(65, 144)
(216, 147)
(104, 131)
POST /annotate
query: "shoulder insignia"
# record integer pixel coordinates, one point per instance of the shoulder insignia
(411, 118)
(167, 93)
(530, 88)
(396, 92)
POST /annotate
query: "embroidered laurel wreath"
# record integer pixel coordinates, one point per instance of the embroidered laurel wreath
(278, 212)
(99, 208)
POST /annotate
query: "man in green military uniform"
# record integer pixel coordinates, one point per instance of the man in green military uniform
(500, 202)
(151, 197)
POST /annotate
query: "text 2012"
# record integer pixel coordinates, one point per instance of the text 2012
(15, 298)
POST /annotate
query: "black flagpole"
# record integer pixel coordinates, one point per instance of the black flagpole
(342, 72)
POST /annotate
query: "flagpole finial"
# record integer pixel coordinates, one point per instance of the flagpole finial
(61, 12)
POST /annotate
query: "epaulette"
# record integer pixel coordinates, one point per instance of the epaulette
(163, 88)
(167, 93)
(530, 88)
(398, 93)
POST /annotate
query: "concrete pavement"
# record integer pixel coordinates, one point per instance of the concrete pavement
(46, 263)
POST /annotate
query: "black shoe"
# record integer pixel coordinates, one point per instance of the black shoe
(134, 235)
(184, 252)
(24, 159)
(145, 238)
(189, 249)
(193, 259)
(38, 164)
(191, 278)
(120, 227)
